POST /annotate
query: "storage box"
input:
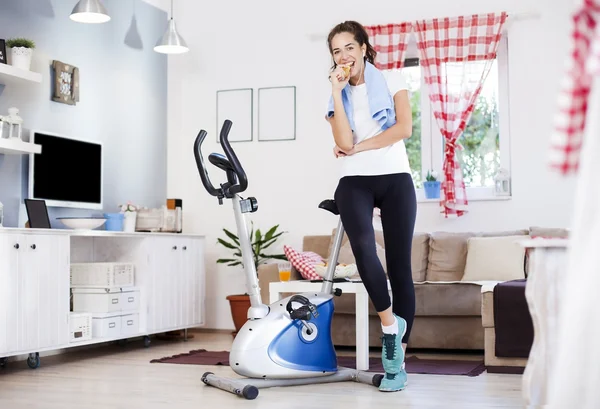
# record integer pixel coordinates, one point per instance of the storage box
(106, 300)
(102, 275)
(106, 325)
(113, 325)
(80, 327)
(130, 324)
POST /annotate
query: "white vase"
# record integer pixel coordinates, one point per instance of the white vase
(129, 222)
(21, 57)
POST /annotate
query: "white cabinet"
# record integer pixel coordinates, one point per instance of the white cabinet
(175, 283)
(34, 298)
(35, 291)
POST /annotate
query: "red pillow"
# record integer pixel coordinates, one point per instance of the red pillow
(304, 262)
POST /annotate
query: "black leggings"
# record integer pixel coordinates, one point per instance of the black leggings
(394, 195)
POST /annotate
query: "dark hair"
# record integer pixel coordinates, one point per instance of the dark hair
(360, 35)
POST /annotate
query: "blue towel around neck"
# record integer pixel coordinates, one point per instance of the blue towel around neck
(381, 102)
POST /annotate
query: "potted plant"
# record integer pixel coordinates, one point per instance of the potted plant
(129, 211)
(240, 303)
(21, 51)
(432, 185)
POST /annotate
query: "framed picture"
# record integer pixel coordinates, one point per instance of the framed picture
(3, 51)
(277, 113)
(66, 83)
(237, 106)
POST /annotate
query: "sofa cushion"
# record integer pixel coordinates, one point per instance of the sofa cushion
(317, 244)
(448, 299)
(536, 231)
(420, 256)
(447, 255)
(431, 299)
(494, 259)
(304, 262)
(448, 252)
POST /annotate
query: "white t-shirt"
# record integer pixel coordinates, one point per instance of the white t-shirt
(387, 160)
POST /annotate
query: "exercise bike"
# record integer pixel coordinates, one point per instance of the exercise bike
(288, 342)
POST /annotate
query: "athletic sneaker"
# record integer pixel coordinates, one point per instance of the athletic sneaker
(394, 382)
(393, 358)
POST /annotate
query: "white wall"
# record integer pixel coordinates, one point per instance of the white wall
(249, 48)
(123, 98)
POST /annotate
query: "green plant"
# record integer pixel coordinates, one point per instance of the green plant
(431, 176)
(259, 244)
(20, 42)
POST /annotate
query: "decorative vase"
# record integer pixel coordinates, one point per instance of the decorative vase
(240, 304)
(21, 57)
(432, 189)
(129, 221)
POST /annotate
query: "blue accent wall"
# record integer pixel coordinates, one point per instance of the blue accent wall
(123, 98)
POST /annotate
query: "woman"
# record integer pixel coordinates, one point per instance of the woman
(370, 116)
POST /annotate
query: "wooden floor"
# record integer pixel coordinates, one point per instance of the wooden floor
(115, 376)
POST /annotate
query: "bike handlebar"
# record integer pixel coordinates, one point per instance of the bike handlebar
(231, 165)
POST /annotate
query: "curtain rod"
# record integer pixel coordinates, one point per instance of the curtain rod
(526, 15)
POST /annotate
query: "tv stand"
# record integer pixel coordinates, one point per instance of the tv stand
(35, 294)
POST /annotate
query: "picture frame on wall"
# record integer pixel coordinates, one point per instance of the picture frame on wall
(277, 113)
(3, 58)
(66, 83)
(236, 105)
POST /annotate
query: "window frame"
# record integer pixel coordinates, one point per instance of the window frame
(432, 140)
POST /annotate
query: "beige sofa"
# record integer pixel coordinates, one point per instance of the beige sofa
(448, 269)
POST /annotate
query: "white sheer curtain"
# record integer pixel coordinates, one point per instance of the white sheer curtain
(575, 383)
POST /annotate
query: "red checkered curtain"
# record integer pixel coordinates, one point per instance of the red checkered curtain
(390, 41)
(584, 62)
(456, 55)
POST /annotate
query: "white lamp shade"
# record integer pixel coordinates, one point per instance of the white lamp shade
(90, 11)
(171, 42)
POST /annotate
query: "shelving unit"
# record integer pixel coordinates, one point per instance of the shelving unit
(18, 147)
(37, 316)
(10, 75)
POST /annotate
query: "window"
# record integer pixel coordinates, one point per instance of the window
(485, 140)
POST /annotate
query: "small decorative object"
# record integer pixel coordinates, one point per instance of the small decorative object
(130, 215)
(3, 58)
(114, 221)
(432, 185)
(66, 83)
(502, 183)
(13, 122)
(21, 51)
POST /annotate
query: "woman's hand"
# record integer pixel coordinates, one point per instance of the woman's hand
(337, 78)
(337, 152)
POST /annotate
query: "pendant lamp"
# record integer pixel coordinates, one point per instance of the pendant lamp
(171, 42)
(90, 11)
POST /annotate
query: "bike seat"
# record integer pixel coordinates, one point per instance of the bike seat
(221, 162)
(330, 206)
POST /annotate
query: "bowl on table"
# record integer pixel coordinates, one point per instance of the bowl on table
(82, 223)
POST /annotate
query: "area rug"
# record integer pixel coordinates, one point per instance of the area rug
(413, 364)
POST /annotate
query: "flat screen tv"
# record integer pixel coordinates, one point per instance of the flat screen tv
(67, 173)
